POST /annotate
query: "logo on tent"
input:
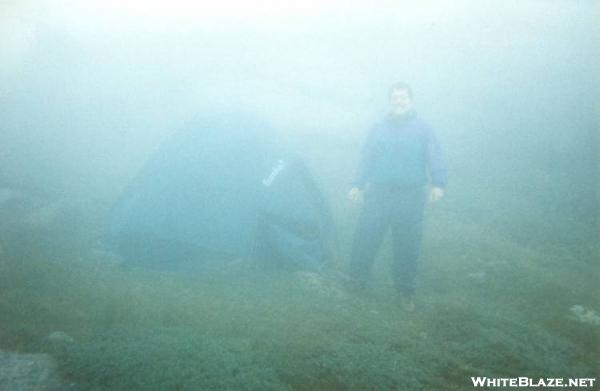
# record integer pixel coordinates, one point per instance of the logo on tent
(274, 172)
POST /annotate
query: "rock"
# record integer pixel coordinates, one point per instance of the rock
(59, 337)
(29, 372)
(584, 315)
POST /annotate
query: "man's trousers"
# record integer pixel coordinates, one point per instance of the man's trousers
(400, 209)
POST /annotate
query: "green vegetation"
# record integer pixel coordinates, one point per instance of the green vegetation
(486, 306)
(495, 290)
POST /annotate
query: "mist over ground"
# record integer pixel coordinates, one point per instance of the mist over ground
(90, 90)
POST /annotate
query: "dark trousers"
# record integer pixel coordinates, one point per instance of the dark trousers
(400, 209)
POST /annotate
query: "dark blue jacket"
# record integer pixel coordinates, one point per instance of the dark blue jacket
(401, 151)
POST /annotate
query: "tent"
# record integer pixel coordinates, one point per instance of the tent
(224, 187)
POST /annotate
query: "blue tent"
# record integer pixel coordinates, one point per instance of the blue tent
(222, 187)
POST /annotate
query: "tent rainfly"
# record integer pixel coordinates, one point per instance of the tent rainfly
(224, 187)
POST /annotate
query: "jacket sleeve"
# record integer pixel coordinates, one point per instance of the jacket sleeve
(435, 160)
(365, 164)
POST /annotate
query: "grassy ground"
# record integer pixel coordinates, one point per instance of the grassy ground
(486, 306)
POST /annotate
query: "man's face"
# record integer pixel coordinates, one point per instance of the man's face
(400, 102)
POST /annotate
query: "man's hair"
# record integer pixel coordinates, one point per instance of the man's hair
(400, 85)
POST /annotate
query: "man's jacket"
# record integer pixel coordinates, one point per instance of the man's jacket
(403, 152)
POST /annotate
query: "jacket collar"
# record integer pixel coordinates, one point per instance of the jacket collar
(402, 120)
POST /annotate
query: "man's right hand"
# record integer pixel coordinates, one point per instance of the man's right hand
(356, 195)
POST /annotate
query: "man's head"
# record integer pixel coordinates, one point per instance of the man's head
(400, 98)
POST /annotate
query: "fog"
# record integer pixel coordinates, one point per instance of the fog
(89, 91)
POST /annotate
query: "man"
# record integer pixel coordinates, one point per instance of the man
(400, 155)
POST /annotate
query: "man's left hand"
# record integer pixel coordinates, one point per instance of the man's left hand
(436, 194)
